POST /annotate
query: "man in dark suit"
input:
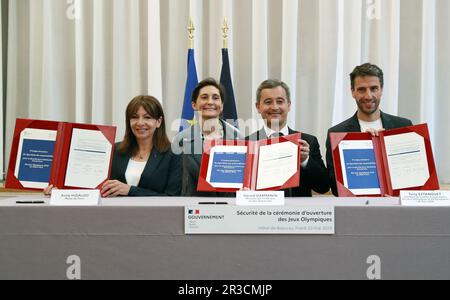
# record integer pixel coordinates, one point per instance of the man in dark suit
(273, 102)
(367, 82)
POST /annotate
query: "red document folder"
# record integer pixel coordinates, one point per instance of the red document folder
(60, 153)
(381, 158)
(251, 165)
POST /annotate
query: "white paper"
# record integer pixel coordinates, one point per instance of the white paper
(89, 159)
(220, 150)
(407, 160)
(277, 164)
(33, 134)
(355, 145)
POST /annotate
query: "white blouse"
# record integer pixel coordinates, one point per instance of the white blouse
(134, 172)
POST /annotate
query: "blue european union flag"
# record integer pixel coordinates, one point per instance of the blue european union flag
(229, 107)
(187, 116)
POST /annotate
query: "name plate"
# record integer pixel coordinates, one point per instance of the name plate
(75, 198)
(252, 198)
(425, 198)
(319, 220)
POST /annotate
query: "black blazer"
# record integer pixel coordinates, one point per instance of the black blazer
(312, 178)
(161, 176)
(352, 125)
(189, 144)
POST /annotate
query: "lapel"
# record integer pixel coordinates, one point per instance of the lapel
(152, 163)
(228, 132)
(122, 165)
(261, 135)
(387, 121)
(291, 131)
(195, 146)
(353, 124)
(194, 140)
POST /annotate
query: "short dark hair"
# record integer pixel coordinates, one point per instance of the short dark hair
(271, 84)
(208, 82)
(367, 69)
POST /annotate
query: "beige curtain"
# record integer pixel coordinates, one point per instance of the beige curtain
(83, 60)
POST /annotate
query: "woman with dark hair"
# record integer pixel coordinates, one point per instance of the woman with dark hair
(143, 163)
(207, 100)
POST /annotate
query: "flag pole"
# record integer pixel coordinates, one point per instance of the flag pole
(188, 114)
(191, 30)
(229, 109)
(225, 30)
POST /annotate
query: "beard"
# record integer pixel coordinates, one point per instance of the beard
(368, 107)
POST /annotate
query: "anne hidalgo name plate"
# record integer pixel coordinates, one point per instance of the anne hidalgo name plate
(75, 198)
(317, 220)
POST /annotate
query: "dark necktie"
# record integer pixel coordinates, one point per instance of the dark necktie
(276, 134)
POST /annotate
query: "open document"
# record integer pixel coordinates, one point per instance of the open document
(266, 165)
(89, 158)
(62, 154)
(398, 159)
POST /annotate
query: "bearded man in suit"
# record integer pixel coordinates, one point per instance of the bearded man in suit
(367, 82)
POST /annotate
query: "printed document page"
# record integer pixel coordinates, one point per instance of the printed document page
(277, 164)
(89, 158)
(359, 167)
(35, 157)
(407, 160)
(227, 166)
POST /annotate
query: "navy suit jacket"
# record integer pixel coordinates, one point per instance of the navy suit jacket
(161, 176)
(352, 125)
(314, 176)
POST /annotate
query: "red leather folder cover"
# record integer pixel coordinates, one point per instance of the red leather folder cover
(58, 172)
(335, 140)
(61, 151)
(251, 165)
(381, 160)
(422, 130)
(203, 185)
(21, 124)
